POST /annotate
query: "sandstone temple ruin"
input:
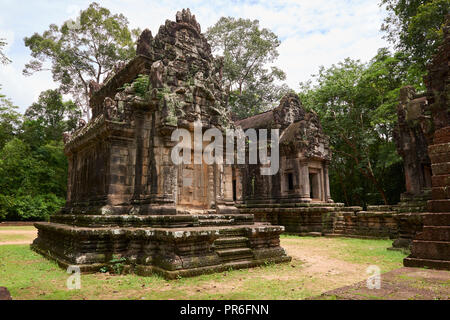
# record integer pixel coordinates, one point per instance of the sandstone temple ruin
(128, 200)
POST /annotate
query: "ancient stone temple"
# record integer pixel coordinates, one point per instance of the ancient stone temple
(431, 247)
(304, 157)
(127, 199)
(298, 195)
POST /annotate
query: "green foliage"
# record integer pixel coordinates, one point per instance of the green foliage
(247, 50)
(79, 52)
(116, 265)
(141, 85)
(415, 27)
(49, 117)
(357, 106)
(29, 208)
(32, 183)
(27, 172)
(10, 120)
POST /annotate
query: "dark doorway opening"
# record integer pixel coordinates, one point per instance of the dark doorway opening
(290, 180)
(312, 194)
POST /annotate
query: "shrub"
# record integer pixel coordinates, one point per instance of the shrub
(28, 208)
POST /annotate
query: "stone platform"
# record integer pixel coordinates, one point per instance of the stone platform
(172, 246)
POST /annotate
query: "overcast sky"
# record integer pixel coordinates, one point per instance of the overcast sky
(312, 32)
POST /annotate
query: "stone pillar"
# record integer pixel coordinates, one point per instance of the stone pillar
(238, 178)
(305, 192)
(227, 180)
(138, 160)
(326, 186)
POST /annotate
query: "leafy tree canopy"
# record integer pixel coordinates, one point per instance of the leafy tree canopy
(32, 183)
(10, 120)
(356, 104)
(415, 27)
(248, 49)
(52, 115)
(81, 51)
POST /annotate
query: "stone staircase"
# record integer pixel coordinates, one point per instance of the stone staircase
(232, 246)
(214, 220)
(217, 220)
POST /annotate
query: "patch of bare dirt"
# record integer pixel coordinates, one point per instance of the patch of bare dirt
(5, 243)
(318, 262)
(399, 284)
(28, 236)
(21, 232)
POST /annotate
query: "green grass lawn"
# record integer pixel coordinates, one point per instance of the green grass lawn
(29, 276)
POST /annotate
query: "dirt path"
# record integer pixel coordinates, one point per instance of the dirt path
(9, 237)
(399, 284)
(320, 265)
(5, 243)
(24, 232)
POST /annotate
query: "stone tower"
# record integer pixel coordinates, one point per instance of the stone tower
(127, 199)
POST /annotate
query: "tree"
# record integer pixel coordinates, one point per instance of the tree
(50, 117)
(357, 106)
(83, 51)
(3, 58)
(247, 50)
(32, 183)
(10, 120)
(415, 27)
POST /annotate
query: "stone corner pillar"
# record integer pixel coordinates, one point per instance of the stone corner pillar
(305, 192)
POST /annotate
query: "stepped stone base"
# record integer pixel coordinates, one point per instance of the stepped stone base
(172, 246)
(409, 224)
(431, 247)
(409, 219)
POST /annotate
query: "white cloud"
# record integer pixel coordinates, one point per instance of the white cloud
(313, 33)
(23, 90)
